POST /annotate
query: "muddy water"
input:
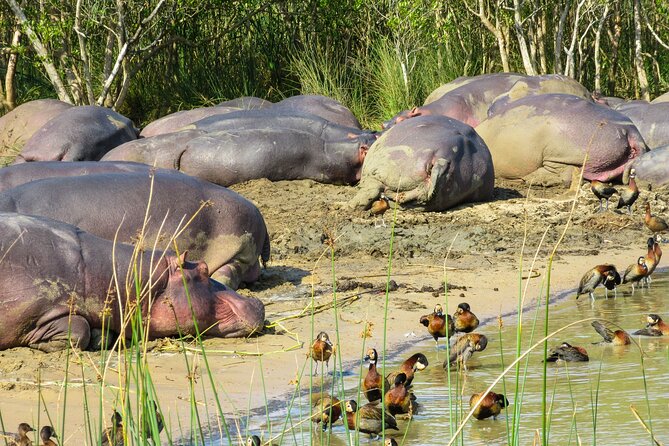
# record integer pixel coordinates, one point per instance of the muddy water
(607, 385)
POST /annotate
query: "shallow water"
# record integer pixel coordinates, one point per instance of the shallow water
(572, 387)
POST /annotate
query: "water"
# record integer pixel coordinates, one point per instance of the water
(572, 387)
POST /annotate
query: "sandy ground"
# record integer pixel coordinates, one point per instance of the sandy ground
(476, 248)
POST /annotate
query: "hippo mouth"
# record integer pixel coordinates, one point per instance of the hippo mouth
(238, 316)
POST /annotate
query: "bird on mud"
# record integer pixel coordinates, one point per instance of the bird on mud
(655, 326)
(326, 409)
(464, 348)
(606, 275)
(21, 436)
(628, 194)
(567, 352)
(113, 435)
(45, 435)
(654, 223)
(465, 321)
(321, 350)
(399, 400)
(602, 191)
(653, 257)
(491, 405)
(373, 385)
(636, 272)
(379, 207)
(438, 324)
(617, 337)
(368, 419)
(414, 363)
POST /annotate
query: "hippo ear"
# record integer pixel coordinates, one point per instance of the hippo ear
(414, 112)
(182, 258)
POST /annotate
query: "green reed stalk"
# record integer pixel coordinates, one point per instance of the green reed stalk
(264, 391)
(645, 391)
(296, 394)
(594, 403)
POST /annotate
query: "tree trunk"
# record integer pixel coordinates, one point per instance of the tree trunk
(494, 29)
(541, 43)
(615, 50)
(638, 55)
(569, 63)
(598, 38)
(557, 68)
(522, 42)
(10, 88)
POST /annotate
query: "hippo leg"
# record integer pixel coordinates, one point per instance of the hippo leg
(53, 335)
(368, 192)
(102, 341)
(551, 175)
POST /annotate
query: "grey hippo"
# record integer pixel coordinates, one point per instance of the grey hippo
(20, 124)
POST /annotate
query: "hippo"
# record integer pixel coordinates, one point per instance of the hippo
(17, 174)
(57, 289)
(434, 162)
(652, 120)
(17, 126)
(228, 233)
(652, 167)
(542, 138)
(78, 134)
(322, 106)
(246, 103)
(662, 98)
(175, 121)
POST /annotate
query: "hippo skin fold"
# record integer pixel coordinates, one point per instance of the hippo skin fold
(543, 138)
(228, 233)
(60, 282)
(431, 163)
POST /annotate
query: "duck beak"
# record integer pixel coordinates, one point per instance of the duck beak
(366, 358)
(329, 342)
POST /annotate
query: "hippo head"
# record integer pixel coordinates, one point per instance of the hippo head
(191, 297)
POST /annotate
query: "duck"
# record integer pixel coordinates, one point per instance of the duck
(414, 363)
(21, 436)
(605, 274)
(636, 272)
(45, 435)
(602, 191)
(491, 405)
(654, 223)
(629, 193)
(438, 324)
(465, 347)
(398, 400)
(368, 419)
(390, 442)
(653, 257)
(465, 321)
(379, 207)
(567, 352)
(321, 350)
(655, 326)
(326, 409)
(617, 337)
(253, 440)
(113, 435)
(372, 385)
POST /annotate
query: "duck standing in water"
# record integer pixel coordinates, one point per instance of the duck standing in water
(618, 337)
(636, 272)
(368, 419)
(326, 409)
(491, 405)
(373, 385)
(606, 275)
(655, 326)
(398, 400)
(21, 436)
(379, 207)
(628, 194)
(45, 435)
(602, 191)
(438, 324)
(464, 320)
(465, 347)
(567, 352)
(654, 223)
(653, 257)
(414, 363)
(113, 435)
(321, 350)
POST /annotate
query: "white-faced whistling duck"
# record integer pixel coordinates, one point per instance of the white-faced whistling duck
(373, 382)
(606, 275)
(655, 326)
(21, 436)
(602, 191)
(321, 350)
(379, 207)
(326, 409)
(368, 419)
(567, 352)
(491, 405)
(636, 272)
(438, 324)
(45, 435)
(465, 321)
(654, 223)
(398, 399)
(653, 257)
(113, 435)
(465, 347)
(390, 442)
(414, 363)
(618, 337)
(628, 194)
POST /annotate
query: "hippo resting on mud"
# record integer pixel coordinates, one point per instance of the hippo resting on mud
(652, 120)
(241, 146)
(57, 278)
(322, 106)
(434, 162)
(653, 167)
(17, 126)
(229, 233)
(467, 99)
(543, 138)
(78, 134)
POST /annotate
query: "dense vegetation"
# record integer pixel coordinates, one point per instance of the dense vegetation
(146, 58)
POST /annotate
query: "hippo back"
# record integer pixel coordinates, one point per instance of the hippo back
(322, 106)
(20, 124)
(653, 167)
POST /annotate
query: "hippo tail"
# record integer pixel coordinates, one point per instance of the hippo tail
(265, 255)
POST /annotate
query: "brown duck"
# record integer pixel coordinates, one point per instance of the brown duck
(653, 256)
(606, 275)
(465, 321)
(465, 347)
(438, 324)
(390, 442)
(379, 207)
(368, 419)
(636, 272)
(45, 435)
(568, 353)
(326, 409)
(373, 382)
(617, 337)
(21, 436)
(321, 350)
(654, 223)
(398, 400)
(629, 193)
(491, 405)
(602, 191)
(655, 326)
(113, 435)
(416, 362)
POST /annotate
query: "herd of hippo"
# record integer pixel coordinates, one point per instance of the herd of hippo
(136, 202)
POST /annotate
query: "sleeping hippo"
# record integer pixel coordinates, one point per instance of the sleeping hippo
(83, 133)
(653, 167)
(228, 233)
(56, 289)
(543, 138)
(434, 162)
(652, 120)
(17, 126)
(322, 106)
(175, 121)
